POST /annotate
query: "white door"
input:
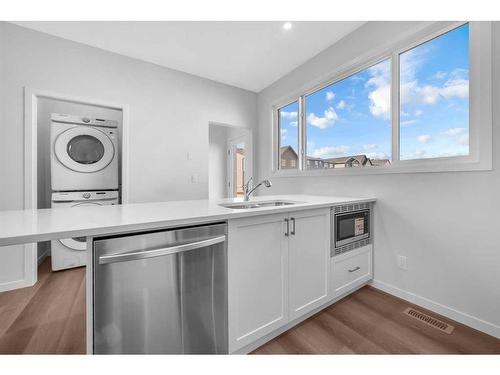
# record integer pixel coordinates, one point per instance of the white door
(309, 259)
(257, 278)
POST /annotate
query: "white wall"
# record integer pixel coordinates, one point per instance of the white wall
(169, 116)
(217, 165)
(445, 223)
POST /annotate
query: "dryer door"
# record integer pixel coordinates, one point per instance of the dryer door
(78, 243)
(84, 149)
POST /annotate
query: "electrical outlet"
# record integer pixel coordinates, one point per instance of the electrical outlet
(402, 262)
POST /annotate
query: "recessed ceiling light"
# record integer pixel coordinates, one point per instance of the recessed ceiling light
(287, 25)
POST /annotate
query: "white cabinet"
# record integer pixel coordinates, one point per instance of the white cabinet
(257, 278)
(351, 269)
(277, 271)
(309, 260)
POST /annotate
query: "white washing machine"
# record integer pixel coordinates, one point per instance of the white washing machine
(83, 153)
(71, 252)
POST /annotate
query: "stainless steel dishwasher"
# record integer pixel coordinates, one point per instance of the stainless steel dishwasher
(163, 292)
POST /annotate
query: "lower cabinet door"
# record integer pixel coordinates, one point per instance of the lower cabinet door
(257, 278)
(309, 260)
(351, 269)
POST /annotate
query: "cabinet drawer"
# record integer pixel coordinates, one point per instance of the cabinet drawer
(349, 270)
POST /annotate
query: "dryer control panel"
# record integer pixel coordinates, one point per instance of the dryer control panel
(82, 120)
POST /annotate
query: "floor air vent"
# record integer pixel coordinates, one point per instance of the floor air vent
(429, 320)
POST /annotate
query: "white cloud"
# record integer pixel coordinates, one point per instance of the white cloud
(342, 105)
(283, 133)
(293, 123)
(424, 138)
(370, 147)
(330, 95)
(330, 151)
(380, 96)
(328, 119)
(454, 131)
(440, 75)
(413, 92)
(458, 88)
(380, 99)
(377, 155)
(290, 115)
(464, 140)
(418, 112)
(408, 122)
(428, 94)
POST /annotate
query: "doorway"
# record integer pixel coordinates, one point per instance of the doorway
(230, 160)
(236, 164)
(37, 104)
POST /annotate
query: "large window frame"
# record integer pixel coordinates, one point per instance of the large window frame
(480, 105)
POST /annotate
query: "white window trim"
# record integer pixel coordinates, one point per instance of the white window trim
(480, 106)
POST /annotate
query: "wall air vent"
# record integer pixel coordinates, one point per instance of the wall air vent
(349, 247)
(351, 207)
(429, 320)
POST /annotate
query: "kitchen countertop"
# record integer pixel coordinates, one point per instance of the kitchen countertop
(24, 226)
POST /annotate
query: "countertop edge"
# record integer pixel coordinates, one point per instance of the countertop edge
(103, 231)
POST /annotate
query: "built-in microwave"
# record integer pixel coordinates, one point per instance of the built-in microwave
(351, 227)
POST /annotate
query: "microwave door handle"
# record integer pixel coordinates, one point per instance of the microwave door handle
(136, 255)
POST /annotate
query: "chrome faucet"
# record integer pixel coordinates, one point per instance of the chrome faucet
(248, 191)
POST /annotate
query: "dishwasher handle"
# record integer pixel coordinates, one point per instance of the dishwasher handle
(136, 255)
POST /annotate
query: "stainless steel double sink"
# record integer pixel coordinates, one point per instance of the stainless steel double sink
(263, 204)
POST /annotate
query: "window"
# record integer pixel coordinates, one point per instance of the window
(406, 110)
(351, 119)
(85, 149)
(434, 97)
(288, 120)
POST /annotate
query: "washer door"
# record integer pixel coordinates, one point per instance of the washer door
(78, 243)
(84, 149)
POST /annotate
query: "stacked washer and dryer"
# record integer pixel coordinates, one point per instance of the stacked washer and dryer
(84, 172)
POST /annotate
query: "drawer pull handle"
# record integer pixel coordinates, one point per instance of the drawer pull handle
(354, 269)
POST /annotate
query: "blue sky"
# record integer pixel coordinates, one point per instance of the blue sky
(352, 116)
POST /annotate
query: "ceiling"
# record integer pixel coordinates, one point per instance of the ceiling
(249, 55)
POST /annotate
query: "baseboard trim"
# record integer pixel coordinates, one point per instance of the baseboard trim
(16, 284)
(461, 317)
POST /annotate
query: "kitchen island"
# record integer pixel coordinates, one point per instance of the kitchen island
(279, 265)
(25, 226)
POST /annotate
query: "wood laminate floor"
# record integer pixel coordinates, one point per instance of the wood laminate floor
(46, 318)
(372, 322)
(50, 318)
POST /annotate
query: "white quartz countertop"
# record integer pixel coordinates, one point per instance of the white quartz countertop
(24, 226)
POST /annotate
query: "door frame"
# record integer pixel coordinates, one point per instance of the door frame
(231, 148)
(31, 96)
(248, 141)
